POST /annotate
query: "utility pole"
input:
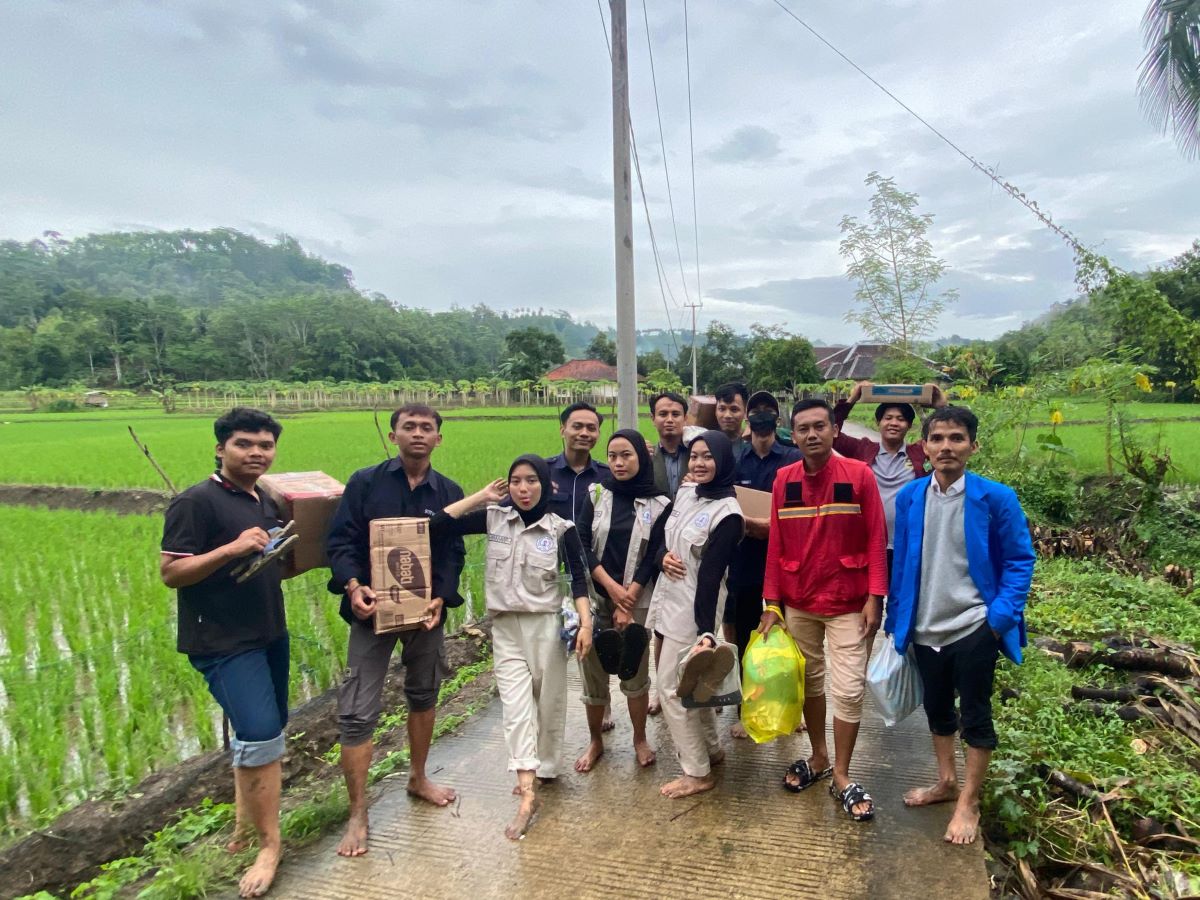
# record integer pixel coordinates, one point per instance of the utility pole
(695, 380)
(627, 384)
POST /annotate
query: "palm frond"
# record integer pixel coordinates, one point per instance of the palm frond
(1169, 77)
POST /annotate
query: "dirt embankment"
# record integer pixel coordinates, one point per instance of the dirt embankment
(122, 502)
(72, 848)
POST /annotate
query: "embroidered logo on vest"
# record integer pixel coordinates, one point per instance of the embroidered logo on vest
(701, 520)
(544, 544)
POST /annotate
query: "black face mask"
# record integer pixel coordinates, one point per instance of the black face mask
(763, 423)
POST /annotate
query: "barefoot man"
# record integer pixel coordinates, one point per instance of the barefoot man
(963, 566)
(235, 634)
(405, 486)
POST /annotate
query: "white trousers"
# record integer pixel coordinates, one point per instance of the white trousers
(530, 664)
(693, 731)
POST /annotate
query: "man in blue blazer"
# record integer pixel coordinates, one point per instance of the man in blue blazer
(963, 566)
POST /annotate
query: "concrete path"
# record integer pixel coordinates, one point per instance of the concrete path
(610, 834)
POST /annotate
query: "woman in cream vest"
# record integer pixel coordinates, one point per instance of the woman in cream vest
(524, 596)
(703, 527)
(615, 528)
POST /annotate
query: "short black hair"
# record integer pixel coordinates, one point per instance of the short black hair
(958, 415)
(813, 403)
(906, 410)
(577, 407)
(667, 395)
(245, 418)
(726, 392)
(417, 409)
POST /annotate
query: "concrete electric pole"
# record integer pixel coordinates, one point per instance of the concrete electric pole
(627, 384)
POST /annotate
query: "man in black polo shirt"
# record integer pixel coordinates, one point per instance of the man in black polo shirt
(755, 469)
(405, 486)
(235, 634)
(574, 471)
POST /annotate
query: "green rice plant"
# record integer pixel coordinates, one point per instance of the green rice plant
(93, 695)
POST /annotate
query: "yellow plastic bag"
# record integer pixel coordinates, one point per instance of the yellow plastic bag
(772, 686)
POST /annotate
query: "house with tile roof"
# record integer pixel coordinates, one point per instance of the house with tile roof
(858, 361)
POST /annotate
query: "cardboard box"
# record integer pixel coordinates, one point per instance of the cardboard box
(309, 499)
(400, 573)
(702, 411)
(755, 504)
(921, 394)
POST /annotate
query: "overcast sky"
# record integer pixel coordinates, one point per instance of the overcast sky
(460, 152)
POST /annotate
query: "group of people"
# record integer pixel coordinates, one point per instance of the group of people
(652, 553)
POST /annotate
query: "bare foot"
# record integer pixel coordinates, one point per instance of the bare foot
(715, 759)
(738, 731)
(608, 724)
(645, 754)
(964, 825)
(590, 756)
(530, 804)
(800, 729)
(686, 785)
(242, 834)
(941, 792)
(654, 708)
(354, 841)
(258, 878)
(424, 789)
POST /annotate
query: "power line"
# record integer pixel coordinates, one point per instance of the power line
(662, 140)
(1082, 251)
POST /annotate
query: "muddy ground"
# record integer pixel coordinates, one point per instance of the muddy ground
(122, 502)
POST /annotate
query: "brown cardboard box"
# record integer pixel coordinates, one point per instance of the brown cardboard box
(899, 393)
(400, 573)
(702, 411)
(309, 499)
(755, 504)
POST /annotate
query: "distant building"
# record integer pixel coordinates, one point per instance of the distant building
(96, 398)
(599, 376)
(858, 361)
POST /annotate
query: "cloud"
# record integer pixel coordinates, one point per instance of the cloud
(468, 158)
(749, 144)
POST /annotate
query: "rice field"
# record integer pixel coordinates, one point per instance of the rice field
(95, 450)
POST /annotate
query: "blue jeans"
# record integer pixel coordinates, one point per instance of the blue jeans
(252, 688)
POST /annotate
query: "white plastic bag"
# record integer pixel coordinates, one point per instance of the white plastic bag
(894, 682)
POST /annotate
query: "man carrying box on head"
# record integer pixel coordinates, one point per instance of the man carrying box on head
(407, 486)
(964, 564)
(825, 580)
(893, 462)
(232, 627)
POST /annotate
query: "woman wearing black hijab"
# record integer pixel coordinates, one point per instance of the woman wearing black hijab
(616, 526)
(700, 533)
(524, 596)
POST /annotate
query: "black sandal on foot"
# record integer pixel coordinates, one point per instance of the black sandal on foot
(635, 641)
(805, 776)
(607, 645)
(851, 796)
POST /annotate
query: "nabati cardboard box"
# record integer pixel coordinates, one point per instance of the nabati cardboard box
(899, 393)
(309, 499)
(754, 503)
(400, 573)
(702, 411)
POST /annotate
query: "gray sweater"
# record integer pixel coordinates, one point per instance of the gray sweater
(949, 606)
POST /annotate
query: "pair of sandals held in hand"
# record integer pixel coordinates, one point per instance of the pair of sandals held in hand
(620, 652)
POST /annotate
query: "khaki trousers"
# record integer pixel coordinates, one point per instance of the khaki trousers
(693, 731)
(530, 664)
(849, 653)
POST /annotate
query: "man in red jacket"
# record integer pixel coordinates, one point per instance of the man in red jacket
(825, 580)
(893, 461)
